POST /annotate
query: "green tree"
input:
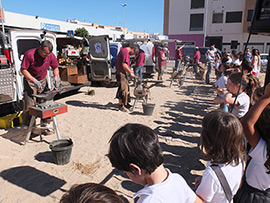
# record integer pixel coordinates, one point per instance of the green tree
(81, 32)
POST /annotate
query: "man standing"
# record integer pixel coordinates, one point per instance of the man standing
(34, 68)
(178, 57)
(210, 60)
(196, 59)
(161, 63)
(140, 59)
(122, 71)
(248, 55)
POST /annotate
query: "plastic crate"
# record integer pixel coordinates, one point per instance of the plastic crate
(11, 120)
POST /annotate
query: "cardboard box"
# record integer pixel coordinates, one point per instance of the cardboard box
(77, 79)
(65, 71)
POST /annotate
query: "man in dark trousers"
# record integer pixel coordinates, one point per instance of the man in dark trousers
(161, 62)
(122, 72)
(34, 68)
(178, 57)
(196, 59)
(140, 59)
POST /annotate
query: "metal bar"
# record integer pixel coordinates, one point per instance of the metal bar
(56, 128)
(30, 127)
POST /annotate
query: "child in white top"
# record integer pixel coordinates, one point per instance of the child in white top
(135, 149)
(256, 125)
(245, 90)
(222, 144)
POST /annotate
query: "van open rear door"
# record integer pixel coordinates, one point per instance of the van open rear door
(100, 58)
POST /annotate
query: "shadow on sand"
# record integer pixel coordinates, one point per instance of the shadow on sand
(33, 180)
(183, 126)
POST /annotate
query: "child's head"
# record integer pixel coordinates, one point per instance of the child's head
(135, 144)
(248, 83)
(258, 93)
(222, 138)
(90, 192)
(246, 66)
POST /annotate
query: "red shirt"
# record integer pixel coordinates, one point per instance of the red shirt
(197, 57)
(178, 55)
(122, 57)
(160, 56)
(36, 65)
(140, 58)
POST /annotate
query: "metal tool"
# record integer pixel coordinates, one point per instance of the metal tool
(45, 108)
(142, 92)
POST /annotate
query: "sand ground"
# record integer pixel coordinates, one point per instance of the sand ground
(28, 173)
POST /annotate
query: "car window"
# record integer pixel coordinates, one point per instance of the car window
(188, 51)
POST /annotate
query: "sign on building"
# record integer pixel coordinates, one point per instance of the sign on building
(51, 27)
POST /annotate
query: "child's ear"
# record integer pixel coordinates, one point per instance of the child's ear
(135, 169)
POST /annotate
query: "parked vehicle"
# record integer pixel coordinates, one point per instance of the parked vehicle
(100, 60)
(264, 61)
(190, 51)
(13, 45)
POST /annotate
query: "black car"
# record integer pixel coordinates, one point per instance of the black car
(190, 51)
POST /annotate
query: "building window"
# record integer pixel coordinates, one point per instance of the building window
(217, 18)
(234, 17)
(249, 15)
(197, 4)
(196, 22)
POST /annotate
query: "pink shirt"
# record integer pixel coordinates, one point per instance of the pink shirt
(140, 58)
(178, 54)
(197, 57)
(36, 65)
(160, 56)
(122, 57)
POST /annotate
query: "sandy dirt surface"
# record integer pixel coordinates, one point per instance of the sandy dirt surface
(28, 173)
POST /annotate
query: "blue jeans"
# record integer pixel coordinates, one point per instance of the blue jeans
(209, 70)
(195, 68)
(138, 71)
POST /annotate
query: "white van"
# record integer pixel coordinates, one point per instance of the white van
(13, 45)
(148, 48)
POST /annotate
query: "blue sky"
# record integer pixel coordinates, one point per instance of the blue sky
(140, 15)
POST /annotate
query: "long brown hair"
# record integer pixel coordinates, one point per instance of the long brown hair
(222, 138)
(248, 82)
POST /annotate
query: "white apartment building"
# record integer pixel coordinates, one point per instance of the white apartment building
(210, 22)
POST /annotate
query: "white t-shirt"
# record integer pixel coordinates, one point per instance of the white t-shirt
(210, 188)
(240, 110)
(173, 189)
(211, 56)
(256, 175)
(222, 81)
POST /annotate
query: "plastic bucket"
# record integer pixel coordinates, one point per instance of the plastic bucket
(148, 109)
(61, 150)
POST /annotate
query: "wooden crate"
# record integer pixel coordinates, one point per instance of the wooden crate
(77, 79)
(66, 71)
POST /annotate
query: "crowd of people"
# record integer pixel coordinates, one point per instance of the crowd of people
(235, 140)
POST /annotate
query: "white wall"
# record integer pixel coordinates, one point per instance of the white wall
(179, 17)
(26, 21)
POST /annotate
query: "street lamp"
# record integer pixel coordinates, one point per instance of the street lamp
(124, 5)
(2, 17)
